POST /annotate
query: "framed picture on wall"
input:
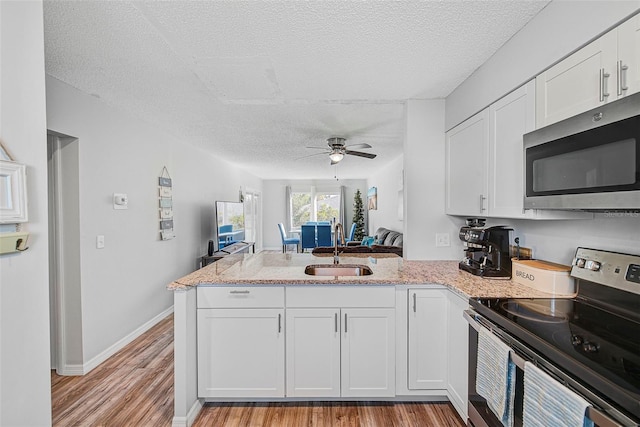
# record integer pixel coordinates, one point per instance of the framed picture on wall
(13, 192)
(372, 199)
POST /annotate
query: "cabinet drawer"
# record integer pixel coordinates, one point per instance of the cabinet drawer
(240, 297)
(343, 296)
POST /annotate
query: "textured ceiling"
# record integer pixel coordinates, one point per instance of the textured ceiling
(258, 81)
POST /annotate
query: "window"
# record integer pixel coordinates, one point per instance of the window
(314, 206)
(300, 209)
(327, 206)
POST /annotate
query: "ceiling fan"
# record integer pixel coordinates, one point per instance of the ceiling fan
(337, 149)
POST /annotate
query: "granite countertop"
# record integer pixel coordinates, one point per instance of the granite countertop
(388, 269)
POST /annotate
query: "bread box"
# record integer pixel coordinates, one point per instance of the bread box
(544, 276)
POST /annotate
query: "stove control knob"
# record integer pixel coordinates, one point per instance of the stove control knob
(589, 347)
(576, 340)
(579, 262)
(592, 265)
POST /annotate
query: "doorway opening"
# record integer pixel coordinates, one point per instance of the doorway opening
(64, 254)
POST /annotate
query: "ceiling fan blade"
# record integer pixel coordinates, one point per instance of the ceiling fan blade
(362, 145)
(360, 154)
(317, 148)
(311, 155)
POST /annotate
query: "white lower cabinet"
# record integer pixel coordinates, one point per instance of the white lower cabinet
(241, 352)
(368, 352)
(458, 353)
(427, 341)
(342, 351)
(313, 352)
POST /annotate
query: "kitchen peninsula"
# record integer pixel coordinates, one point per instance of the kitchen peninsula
(395, 334)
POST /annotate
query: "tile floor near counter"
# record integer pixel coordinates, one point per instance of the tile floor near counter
(134, 387)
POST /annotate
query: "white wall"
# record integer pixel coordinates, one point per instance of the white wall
(388, 181)
(273, 203)
(123, 285)
(25, 387)
(559, 29)
(424, 169)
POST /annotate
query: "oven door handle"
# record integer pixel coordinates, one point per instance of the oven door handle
(477, 321)
(470, 317)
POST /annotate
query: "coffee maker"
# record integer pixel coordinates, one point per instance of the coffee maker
(486, 249)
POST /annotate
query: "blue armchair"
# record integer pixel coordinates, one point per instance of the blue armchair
(288, 240)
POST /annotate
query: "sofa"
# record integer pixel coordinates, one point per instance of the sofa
(383, 241)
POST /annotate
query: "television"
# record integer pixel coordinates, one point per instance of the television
(229, 226)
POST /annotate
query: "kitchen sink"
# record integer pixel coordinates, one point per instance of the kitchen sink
(338, 270)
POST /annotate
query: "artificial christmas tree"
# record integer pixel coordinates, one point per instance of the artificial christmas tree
(358, 217)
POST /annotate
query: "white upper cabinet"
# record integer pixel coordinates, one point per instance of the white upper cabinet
(629, 57)
(466, 166)
(604, 70)
(509, 118)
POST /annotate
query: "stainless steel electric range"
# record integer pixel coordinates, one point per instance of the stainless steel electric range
(590, 343)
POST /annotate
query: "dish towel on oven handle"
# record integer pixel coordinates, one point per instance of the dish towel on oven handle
(546, 402)
(496, 375)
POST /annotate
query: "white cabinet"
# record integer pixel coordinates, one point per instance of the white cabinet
(457, 350)
(340, 351)
(602, 71)
(510, 118)
(240, 352)
(240, 341)
(578, 83)
(368, 352)
(466, 166)
(427, 352)
(313, 352)
(629, 56)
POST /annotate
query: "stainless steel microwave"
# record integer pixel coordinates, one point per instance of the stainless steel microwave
(587, 162)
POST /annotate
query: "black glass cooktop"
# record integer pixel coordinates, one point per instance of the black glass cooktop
(592, 344)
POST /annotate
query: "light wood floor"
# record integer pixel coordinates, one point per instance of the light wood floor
(135, 388)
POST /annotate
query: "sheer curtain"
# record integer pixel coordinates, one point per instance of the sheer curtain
(287, 206)
(343, 204)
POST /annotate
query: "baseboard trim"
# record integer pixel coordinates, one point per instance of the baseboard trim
(191, 416)
(119, 345)
(70, 370)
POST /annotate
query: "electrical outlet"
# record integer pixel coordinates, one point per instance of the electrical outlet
(442, 239)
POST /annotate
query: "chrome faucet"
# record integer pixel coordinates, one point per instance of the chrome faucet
(339, 231)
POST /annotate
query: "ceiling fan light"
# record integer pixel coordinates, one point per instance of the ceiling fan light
(336, 157)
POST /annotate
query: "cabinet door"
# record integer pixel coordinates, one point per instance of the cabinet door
(368, 352)
(510, 118)
(427, 339)
(458, 349)
(240, 352)
(313, 352)
(466, 166)
(629, 56)
(578, 83)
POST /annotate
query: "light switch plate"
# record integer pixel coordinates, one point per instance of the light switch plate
(100, 242)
